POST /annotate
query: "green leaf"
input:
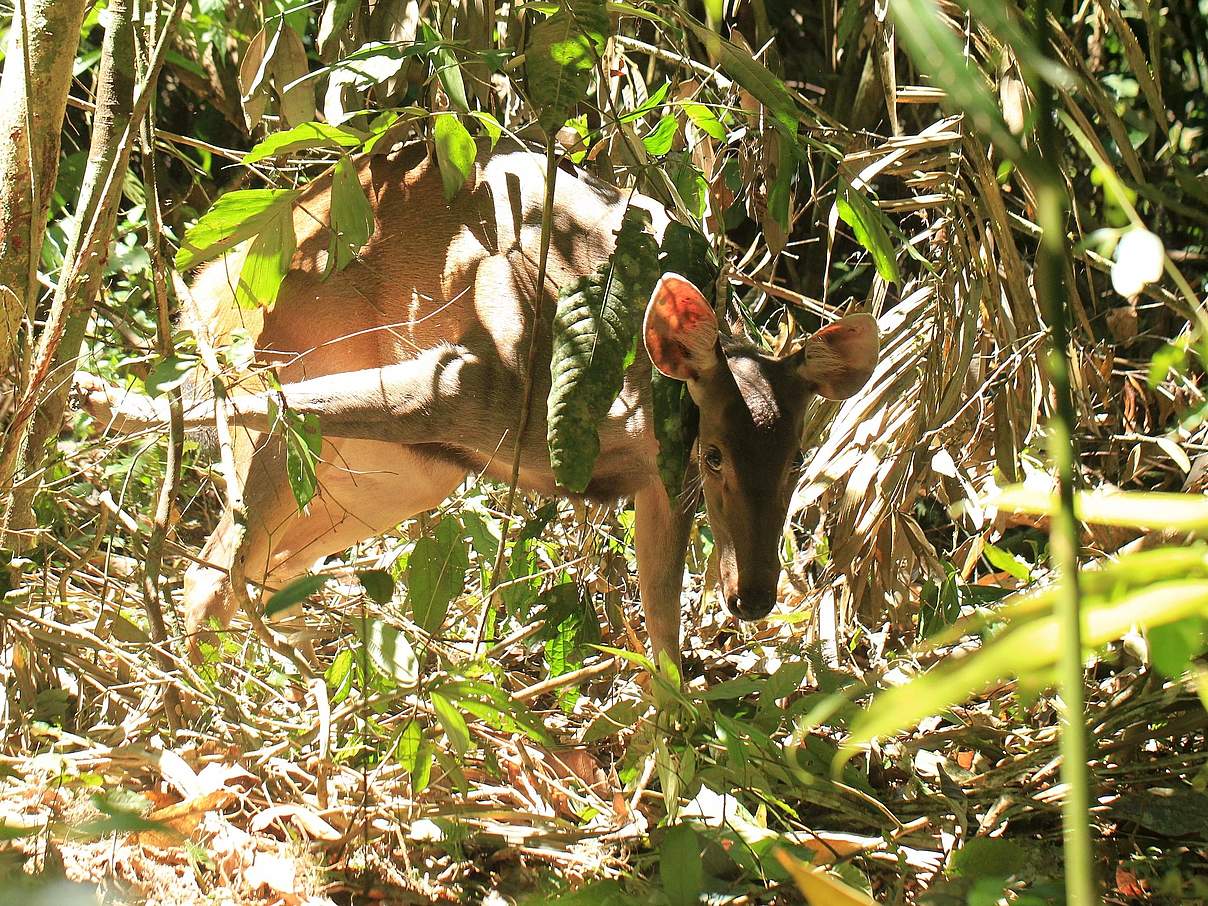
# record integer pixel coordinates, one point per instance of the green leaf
(303, 444)
(491, 704)
(658, 141)
(390, 652)
(748, 72)
(351, 216)
(453, 723)
(680, 866)
(234, 218)
(652, 102)
(437, 572)
(561, 55)
(340, 671)
(302, 138)
(455, 153)
(169, 373)
(267, 262)
(1173, 645)
(295, 592)
(1134, 509)
(618, 716)
(705, 120)
(448, 70)
(594, 331)
(988, 857)
(868, 221)
(378, 584)
(1007, 562)
(406, 750)
(1023, 649)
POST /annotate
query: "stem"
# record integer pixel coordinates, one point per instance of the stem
(522, 420)
(1051, 260)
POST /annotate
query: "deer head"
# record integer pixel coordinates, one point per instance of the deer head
(752, 407)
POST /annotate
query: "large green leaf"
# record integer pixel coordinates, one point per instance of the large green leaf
(390, 652)
(436, 573)
(455, 153)
(594, 331)
(748, 72)
(868, 223)
(562, 52)
(351, 216)
(267, 261)
(301, 138)
(295, 592)
(680, 866)
(1134, 509)
(1026, 649)
(235, 217)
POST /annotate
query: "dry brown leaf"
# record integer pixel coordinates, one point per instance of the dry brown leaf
(304, 818)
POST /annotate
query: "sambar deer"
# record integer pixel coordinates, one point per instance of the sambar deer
(415, 354)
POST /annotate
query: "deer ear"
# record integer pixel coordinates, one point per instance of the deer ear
(680, 329)
(839, 358)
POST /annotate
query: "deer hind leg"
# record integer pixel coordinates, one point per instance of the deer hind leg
(365, 488)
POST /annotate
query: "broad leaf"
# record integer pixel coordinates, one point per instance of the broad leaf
(437, 573)
(594, 330)
(295, 592)
(378, 584)
(303, 444)
(267, 262)
(562, 52)
(680, 867)
(705, 120)
(453, 723)
(351, 216)
(658, 141)
(748, 72)
(448, 70)
(455, 153)
(169, 373)
(301, 138)
(390, 652)
(234, 218)
(867, 221)
(1134, 509)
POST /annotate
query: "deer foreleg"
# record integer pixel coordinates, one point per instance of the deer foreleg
(661, 537)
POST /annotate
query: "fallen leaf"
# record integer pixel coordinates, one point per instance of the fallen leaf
(306, 821)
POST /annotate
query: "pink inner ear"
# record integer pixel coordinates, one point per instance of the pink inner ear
(680, 329)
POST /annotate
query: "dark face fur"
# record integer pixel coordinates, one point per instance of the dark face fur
(751, 411)
(749, 455)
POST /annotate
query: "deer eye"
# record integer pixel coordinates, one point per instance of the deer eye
(713, 459)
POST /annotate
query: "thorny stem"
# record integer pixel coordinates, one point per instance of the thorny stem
(1052, 255)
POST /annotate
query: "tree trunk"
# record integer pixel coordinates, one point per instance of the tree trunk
(31, 121)
(118, 107)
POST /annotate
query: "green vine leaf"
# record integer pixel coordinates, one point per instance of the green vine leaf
(594, 332)
(561, 55)
(234, 218)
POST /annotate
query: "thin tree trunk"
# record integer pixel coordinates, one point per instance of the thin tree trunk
(33, 99)
(118, 107)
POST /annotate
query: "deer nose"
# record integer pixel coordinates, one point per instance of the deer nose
(751, 605)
